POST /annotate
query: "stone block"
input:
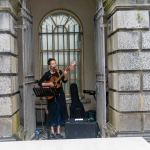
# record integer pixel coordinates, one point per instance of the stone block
(5, 3)
(124, 61)
(8, 43)
(6, 127)
(125, 121)
(8, 64)
(145, 40)
(125, 102)
(146, 80)
(8, 84)
(124, 81)
(7, 22)
(145, 102)
(146, 120)
(144, 60)
(9, 105)
(15, 122)
(131, 19)
(124, 41)
(129, 102)
(129, 61)
(9, 126)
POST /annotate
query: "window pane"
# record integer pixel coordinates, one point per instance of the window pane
(56, 42)
(45, 58)
(61, 44)
(61, 58)
(44, 42)
(72, 46)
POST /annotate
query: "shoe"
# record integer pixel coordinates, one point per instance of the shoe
(51, 136)
(58, 136)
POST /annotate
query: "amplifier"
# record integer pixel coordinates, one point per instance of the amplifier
(80, 129)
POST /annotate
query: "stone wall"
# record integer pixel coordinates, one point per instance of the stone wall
(128, 51)
(9, 97)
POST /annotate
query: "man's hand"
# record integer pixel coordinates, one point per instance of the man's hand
(48, 84)
(65, 75)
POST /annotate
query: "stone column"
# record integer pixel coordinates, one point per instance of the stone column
(128, 51)
(9, 93)
(26, 71)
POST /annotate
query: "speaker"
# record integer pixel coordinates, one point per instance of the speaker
(80, 129)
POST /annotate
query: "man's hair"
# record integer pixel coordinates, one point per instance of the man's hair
(50, 59)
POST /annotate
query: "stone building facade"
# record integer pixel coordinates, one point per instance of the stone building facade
(122, 52)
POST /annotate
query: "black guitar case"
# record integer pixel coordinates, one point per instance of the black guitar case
(76, 108)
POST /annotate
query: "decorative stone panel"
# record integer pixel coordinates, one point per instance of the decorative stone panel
(124, 81)
(8, 84)
(9, 105)
(129, 122)
(8, 64)
(131, 19)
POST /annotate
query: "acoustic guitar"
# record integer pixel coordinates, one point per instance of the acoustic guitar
(56, 79)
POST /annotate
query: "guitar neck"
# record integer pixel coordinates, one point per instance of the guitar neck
(60, 77)
(67, 69)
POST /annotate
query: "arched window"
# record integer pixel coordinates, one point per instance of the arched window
(61, 36)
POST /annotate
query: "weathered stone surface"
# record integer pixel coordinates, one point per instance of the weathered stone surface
(9, 105)
(8, 43)
(123, 41)
(131, 19)
(8, 64)
(124, 81)
(146, 120)
(129, 61)
(8, 84)
(125, 121)
(9, 126)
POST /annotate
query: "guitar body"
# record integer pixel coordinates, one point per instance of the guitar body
(57, 84)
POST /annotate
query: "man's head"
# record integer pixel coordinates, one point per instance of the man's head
(49, 60)
(52, 63)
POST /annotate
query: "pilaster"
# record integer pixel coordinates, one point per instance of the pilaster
(128, 53)
(9, 92)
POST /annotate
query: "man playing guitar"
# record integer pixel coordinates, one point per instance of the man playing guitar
(56, 105)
